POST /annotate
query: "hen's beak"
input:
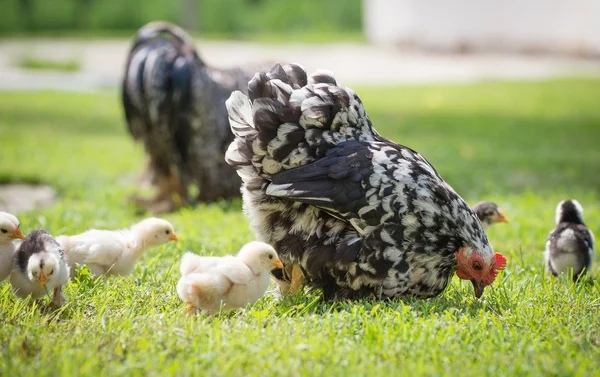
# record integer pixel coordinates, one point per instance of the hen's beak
(173, 237)
(42, 279)
(277, 263)
(17, 234)
(478, 287)
(501, 218)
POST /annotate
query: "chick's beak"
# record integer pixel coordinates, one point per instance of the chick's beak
(42, 279)
(478, 287)
(277, 263)
(501, 218)
(17, 234)
(173, 237)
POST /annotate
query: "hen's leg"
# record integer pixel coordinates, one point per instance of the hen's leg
(297, 279)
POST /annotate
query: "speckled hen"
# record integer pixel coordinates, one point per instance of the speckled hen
(348, 210)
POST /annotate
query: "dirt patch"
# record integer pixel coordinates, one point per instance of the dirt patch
(17, 198)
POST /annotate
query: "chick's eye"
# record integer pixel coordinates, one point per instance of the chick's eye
(4, 231)
(476, 266)
(270, 256)
(167, 231)
(51, 272)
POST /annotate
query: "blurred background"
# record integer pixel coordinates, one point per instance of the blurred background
(371, 42)
(400, 55)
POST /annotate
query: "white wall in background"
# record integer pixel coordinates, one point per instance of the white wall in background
(547, 25)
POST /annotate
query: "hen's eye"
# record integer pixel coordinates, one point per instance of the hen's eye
(4, 231)
(270, 256)
(476, 266)
(167, 231)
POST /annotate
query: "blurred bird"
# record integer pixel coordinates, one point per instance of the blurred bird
(9, 231)
(570, 246)
(175, 105)
(350, 211)
(40, 267)
(114, 252)
(489, 213)
(212, 283)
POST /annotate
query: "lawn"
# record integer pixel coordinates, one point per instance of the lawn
(525, 146)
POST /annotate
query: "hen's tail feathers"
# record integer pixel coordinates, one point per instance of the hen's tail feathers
(290, 119)
(157, 75)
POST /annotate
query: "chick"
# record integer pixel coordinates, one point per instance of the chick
(9, 230)
(40, 266)
(212, 283)
(114, 252)
(571, 244)
(489, 213)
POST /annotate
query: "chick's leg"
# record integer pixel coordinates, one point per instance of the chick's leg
(58, 298)
(191, 309)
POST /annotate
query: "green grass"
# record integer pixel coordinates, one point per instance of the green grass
(50, 65)
(525, 146)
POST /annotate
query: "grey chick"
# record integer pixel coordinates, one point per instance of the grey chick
(39, 267)
(571, 244)
(489, 214)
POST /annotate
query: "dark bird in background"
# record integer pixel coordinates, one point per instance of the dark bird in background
(570, 246)
(489, 214)
(347, 210)
(175, 105)
(40, 267)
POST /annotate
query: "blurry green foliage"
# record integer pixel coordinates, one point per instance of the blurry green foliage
(226, 18)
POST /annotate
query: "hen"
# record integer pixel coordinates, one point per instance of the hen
(570, 245)
(175, 105)
(347, 210)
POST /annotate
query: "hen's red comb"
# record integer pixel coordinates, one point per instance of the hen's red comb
(500, 261)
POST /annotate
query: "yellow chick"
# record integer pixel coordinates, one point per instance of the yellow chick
(114, 252)
(226, 283)
(9, 231)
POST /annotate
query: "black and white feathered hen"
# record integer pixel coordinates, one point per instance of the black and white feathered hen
(347, 210)
(570, 246)
(175, 105)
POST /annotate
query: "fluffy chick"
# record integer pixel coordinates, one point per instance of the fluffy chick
(40, 266)
(212, 283)
(489, 214)
(114, 252)
(570, 246)
(9, 231)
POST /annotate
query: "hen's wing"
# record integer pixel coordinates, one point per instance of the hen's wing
(365, 183)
